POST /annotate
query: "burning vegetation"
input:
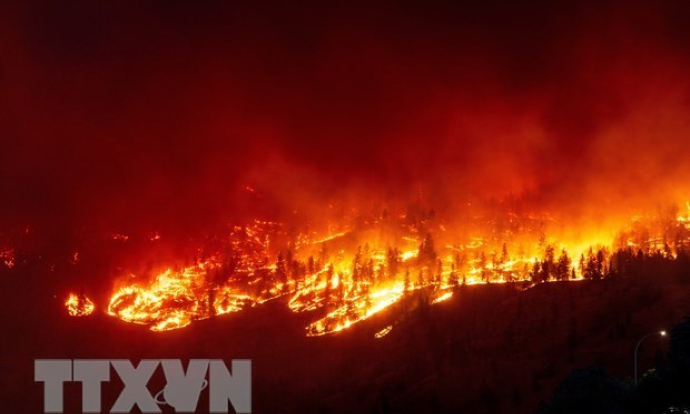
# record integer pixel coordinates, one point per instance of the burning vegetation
(79, 305)
(351, 273)
(7, 258)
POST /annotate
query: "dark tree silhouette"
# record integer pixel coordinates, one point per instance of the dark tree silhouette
(563, 266)
(588, 390)
(427, 252)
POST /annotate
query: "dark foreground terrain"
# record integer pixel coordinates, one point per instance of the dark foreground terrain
(491, 348)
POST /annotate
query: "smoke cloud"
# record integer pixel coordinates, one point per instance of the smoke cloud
(183, 116)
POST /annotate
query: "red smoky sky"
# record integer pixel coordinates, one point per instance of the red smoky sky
(162, 112)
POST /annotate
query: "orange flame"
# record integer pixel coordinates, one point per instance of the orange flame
(79, 305)
(350, 289)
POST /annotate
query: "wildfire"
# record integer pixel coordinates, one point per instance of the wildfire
(356, 309)
(344, 285)
(7, 258)
(79, 305)
(174, 299)
(119, 237)
(383, 332)
(443, 297)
